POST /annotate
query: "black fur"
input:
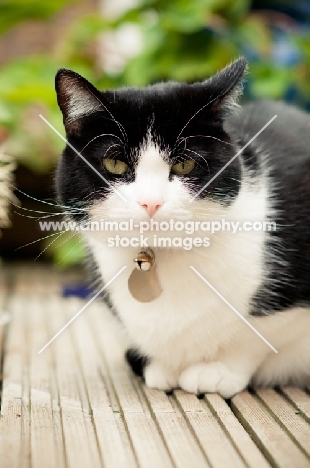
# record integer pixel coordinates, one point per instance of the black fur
(287, 252)
(177, 111)
(168, 109)
(136, 361)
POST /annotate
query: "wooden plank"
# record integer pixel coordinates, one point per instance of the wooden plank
(46, 435)
(33, 285)
(183, 447)
(37, 442)
(273, 441)
(300, 399)
(114, 443)
(79, 435)
(78, 405)
(15, 402)
(150, 449)
(12, 409)
(212, 438)
(285, 413)
(180, 439)
(5, 318)
(237, 433)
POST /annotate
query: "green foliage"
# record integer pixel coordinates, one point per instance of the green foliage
(192, 40)
(65, 250)
(13, 12)
(182, 40)
(27, 89)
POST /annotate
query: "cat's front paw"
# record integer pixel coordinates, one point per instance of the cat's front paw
(156, 376)
(213, 377)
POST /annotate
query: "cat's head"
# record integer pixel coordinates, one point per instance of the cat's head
(146, 152)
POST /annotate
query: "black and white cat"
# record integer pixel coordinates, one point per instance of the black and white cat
(158, 147)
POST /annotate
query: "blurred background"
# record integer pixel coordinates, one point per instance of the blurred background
(123, 42)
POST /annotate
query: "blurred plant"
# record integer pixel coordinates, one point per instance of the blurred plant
(65, 249)
(181, 40)
(27, 89)
(192, 40)
(18, 11)
(7, 167)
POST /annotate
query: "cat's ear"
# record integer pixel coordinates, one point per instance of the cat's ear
(226, 86)
(76, 98)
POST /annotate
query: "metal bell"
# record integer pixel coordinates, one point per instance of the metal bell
(143, 283)
(145, 260)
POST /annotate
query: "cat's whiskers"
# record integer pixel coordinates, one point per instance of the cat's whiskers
(41, 214)
(46, 202)
(204, 136)
(67, 212)
(94, 192)
(48, 213)
(185, 149)
(120, 126)
(217, 211)
(42, 238)
(69, 251)
(197, 112)
(61, 233)
(31, 210)
(111, 146)
(200, 156)
(37, 218)
(114, 154)
(102, 135)
(184, 157)
(51, 243)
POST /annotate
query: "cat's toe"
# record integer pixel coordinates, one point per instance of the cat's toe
(212, 377)
(157, 377)
(232, 384)
(201, 378)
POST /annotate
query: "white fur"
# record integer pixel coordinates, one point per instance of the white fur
(81, 102)
(194, 339)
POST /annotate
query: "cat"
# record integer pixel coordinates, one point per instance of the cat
(157, 149)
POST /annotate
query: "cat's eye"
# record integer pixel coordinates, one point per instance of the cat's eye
(115, 166)
(184, 167)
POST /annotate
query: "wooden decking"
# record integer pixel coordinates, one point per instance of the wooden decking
(77, 404)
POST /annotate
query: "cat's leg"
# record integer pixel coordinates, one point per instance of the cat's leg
(291, 365)
(136, 361)
(157, 375)
(247, 358)
(154, 373)
(213, 377)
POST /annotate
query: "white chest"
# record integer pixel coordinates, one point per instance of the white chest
(188, 320)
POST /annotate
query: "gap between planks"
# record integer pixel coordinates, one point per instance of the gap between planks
(78, 404)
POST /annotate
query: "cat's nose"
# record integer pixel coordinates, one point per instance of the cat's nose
(151, 208)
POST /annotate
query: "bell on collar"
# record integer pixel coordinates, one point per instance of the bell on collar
(145, 260)
(143, 283)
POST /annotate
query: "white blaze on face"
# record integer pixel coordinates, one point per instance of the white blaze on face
(152, 176)
(151, 194)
